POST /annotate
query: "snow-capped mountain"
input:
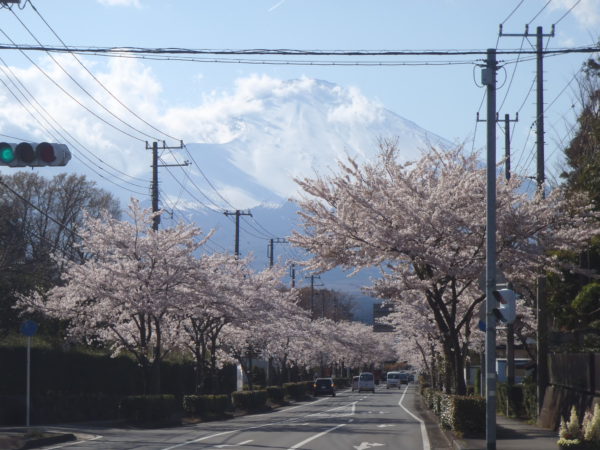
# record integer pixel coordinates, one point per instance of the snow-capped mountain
(295, 129)
(289, 130)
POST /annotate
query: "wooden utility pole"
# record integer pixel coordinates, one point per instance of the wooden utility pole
(488, 78)
(541, 306)
(237, 213)
(271, 248)
(155, 166)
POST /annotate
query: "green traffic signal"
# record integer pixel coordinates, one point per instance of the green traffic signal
(7, 154)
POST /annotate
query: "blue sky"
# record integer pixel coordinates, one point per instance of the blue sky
(443, 99)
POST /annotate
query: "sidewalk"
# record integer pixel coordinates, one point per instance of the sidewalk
(512, 434)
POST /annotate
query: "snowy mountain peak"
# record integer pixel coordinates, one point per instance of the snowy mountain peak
(295, 128)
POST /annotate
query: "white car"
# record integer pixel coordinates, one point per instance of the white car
(393, 380)
(366, 382)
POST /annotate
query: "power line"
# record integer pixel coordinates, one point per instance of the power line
(69, 94)
(512, 12)
(539, 12)
(27, 95)
(96, 79)
(80, 86)
(568, 11)
(284, 52)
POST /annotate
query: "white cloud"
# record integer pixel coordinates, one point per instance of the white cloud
(355, 108)
(587, 12)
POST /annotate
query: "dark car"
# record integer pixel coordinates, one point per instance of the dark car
(324, 386)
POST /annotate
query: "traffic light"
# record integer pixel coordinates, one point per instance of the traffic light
(507, 305)
(27, 154)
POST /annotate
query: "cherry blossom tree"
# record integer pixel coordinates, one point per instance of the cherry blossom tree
(126, 295)
(265, 302)
(423, 225)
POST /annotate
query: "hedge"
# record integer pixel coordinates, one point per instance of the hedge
(206, 405)
(149, 409)
(510, 400)
(249, 400)
(56, 407)
(296, 391)
(465, 415)
(276, 394)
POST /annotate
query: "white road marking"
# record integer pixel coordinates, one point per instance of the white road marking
(424, 436)
(342, 413)
(385, 425)
(78, 441)
(293, 407)
(365, 445)
(233, 445)
(316, 436)
(183, 444)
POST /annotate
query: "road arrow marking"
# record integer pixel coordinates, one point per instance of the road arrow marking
(365, 445)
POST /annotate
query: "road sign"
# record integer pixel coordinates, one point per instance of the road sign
(29, 328)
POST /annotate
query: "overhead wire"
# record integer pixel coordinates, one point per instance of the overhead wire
(102, 85)
(44, 114)
(513, 11)
(567, 13)
(539, 12)
(80, 86)
(68, 94)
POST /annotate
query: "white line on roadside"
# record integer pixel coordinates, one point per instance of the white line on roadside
(316, 436)
(78, 441)
(424, 436)
(294, 407)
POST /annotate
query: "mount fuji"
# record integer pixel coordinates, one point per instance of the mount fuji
(251, 154)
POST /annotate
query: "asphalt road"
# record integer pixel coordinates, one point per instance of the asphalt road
(351, 420)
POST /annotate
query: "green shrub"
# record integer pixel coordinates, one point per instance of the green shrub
(297, 391)
(510, 400)
(530, 403)
(465, 415)
(468, 415)
(341, 383)
(205, 405)
(276, 394)
(249, 400)
(149, 409)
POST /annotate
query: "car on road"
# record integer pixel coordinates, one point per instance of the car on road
(355, 383)
(393, 380)
(366, 382)
(324, 386)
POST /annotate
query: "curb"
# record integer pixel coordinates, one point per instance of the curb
(42, 442)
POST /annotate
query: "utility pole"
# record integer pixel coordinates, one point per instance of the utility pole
(507, 122)
(510, 328)
(155, 166)
(293, 274)
(488, 78)
(312, 292)
(237, 213)
(542, 317)
(271, 248)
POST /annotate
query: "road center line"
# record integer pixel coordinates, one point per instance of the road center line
(424, 436)
(316, 436)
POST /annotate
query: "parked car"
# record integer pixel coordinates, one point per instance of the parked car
(324, 386)
(393, 380)
(366, 382)
(355, 383)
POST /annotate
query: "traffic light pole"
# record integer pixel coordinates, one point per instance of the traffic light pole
(488, 76)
